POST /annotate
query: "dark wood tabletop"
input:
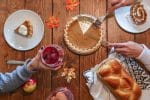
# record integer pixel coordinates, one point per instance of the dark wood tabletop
(48, 80)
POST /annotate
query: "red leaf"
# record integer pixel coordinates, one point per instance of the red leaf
(71, 4)
(52, 22)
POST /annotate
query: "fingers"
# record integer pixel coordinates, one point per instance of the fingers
(125, 52)
(114, 2)
(38, 55)
(115, 7)
(128, 49)
(40, 51)
(121, 50)
(42, 48)
(117, 45)
(41, 65)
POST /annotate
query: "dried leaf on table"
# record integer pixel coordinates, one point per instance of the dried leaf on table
(52, 22)
(71, 4)
(68, 73)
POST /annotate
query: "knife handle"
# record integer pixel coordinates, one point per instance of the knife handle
(15, 62)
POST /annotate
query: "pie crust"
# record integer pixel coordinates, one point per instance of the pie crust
(81, 36)
(29, 29)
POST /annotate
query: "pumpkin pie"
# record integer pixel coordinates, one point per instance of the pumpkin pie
(138, 13)
(81, 36)
(25, 29)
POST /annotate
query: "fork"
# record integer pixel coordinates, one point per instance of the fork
(100, 20)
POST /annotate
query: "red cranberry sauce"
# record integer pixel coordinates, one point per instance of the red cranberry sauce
(50, 55)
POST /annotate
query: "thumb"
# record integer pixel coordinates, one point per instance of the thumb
(111, 9)
(38, 55)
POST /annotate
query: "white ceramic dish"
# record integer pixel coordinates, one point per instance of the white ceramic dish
(123, 19)
(19, 42)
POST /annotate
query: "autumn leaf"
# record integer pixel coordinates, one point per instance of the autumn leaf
(69, 74)
(52, 22)
(71, 4)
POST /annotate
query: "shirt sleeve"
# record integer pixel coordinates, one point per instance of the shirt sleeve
(13, 80)
(144, 57)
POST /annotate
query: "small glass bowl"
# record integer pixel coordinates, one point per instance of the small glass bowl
(64, 90)
(51, 51)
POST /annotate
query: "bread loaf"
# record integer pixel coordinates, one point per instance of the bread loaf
(120, 83)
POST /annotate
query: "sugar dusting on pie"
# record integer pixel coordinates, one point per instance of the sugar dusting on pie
(81, 36)
(138, 13)
(25, 29)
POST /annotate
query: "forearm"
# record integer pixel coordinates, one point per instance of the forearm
(144, 57)
(13, 80)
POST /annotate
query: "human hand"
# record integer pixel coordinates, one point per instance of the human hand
(129, 49)
(36, 63)
(119, 3)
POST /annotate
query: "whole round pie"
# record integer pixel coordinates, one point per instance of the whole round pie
(81, 36)
(138, 13)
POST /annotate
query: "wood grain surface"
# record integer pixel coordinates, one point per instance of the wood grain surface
(49, 80)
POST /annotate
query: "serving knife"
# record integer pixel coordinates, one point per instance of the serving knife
(15, 62)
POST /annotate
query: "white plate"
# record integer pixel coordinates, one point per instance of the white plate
(19, 42)
(122, 16)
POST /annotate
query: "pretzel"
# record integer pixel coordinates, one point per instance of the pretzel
(118, 81)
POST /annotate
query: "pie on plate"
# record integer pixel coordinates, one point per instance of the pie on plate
(81, 36)
(20, 42)
(25, 29)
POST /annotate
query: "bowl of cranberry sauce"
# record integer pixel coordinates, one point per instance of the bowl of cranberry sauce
(53, 56)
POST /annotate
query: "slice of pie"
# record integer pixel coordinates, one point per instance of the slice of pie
(81, 36)
(25, 29)
(138, 13)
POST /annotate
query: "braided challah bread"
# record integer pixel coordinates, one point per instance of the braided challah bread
(120, 83)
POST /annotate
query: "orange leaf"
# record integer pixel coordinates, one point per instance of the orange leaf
(71, 4)
(52, 22)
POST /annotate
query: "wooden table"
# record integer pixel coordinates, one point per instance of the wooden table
(47, 80)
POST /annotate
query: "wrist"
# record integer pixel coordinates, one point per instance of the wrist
(140, 51)
(141, 48)
(144, 57)
(31, 66)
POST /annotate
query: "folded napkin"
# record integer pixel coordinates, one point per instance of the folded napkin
(101, 92)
